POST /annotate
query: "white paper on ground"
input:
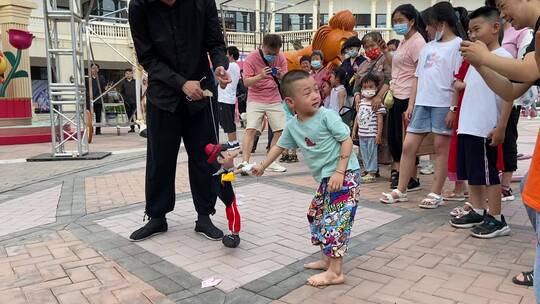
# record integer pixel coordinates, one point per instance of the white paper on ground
(210, 282)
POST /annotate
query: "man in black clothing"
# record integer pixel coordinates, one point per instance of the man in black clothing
(173, 39)
(129, 93)
(98, 87)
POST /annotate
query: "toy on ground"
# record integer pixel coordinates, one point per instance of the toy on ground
(222, 157)
(328, 39)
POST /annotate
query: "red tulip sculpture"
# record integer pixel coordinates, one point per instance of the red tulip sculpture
(21, 40)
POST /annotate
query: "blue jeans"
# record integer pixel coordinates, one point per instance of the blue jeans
(534, 217)
(368, 150)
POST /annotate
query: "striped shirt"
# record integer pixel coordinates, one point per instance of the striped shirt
(367, 119)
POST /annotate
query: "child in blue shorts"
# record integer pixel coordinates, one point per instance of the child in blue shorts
(326, 146)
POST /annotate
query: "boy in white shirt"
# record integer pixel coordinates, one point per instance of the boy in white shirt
(227, 99)
(482, 126)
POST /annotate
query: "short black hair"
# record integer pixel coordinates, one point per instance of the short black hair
(487, 12)
(128, 70)
(393, 42)
(305, 58)
(288, 80)
(234, 52)
(491, 3)
(272, 41)
(317, 53)
(340, 73)
(370, 77)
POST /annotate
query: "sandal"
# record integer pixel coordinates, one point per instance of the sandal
(390, 199)
(432, 201)
(452, 196)
(461, 211)
(368, 179)
(528, 279)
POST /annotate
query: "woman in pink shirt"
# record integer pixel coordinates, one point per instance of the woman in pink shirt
(406, 21)
(320, 72)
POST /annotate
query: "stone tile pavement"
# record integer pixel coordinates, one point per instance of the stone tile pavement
(274, 234)
(399, 253)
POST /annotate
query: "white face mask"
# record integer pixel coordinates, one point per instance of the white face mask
(368, 93)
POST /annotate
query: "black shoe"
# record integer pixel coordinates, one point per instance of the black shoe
(469, 220)
(131, 130)
(231, 240)
(143, 133)
(377, 174)
(414, 185)
(394, 179)
(284, 158)
(207, 228)
(234, 146)
(153, 227)
(491, 228)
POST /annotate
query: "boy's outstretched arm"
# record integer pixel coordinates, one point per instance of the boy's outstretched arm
(501, 85)
(336, 181)
(273, 154)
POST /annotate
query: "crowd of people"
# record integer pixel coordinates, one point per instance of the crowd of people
(456, 80)
(427, 87)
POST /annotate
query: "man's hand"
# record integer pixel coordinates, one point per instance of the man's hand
(192, 89)
(450, 119)
(223, 77)
(497, 136)
(257, 170)
(335, 182)
(474, 52)
(265, 71)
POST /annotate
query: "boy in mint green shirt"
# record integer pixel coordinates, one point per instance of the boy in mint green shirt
(326, 146)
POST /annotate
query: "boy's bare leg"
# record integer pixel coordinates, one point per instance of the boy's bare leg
(334, 274)
(494, 199)
(478, 196)
(321, 264)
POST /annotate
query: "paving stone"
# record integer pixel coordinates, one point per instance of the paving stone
(166, 285)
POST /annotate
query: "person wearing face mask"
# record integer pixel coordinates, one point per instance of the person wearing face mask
(375, 64)
(352, 60)
(431, 108)
(319, 71)
(263, 69)
(407, 22)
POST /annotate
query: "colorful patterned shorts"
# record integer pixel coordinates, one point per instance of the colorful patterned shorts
(331, 215)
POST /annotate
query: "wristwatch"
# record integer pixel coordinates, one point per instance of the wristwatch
(453, 109)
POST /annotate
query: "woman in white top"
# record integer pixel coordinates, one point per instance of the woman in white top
(430, 107)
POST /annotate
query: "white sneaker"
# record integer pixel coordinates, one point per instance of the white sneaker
(427, 170)
(275, 167)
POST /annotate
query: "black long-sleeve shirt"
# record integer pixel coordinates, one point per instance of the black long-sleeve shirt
(173, 43)
(128, 91)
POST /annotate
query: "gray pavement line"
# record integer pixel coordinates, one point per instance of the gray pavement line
(12, 161)
(70, 172)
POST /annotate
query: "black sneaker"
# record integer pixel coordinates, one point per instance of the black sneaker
(234, 146)
(507, 195)
(394, 179)
(207, 228)
(153, 227)
(491, 228)
(469, 220)
(414, 185)
(231, 240)
(284, 158)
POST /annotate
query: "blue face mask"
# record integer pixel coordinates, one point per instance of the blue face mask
(439, 35)
(270, 58)
(316, 64)
(401, 29)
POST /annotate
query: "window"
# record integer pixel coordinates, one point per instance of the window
(243, 22)
(230, 20)
(323, 19)
(381, 20)
(297, 22)
(279, 22)
(363, 20)
(106, 7)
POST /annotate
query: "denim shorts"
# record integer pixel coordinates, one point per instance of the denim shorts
(429, 120)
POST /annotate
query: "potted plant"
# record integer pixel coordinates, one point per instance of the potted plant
(13, 110)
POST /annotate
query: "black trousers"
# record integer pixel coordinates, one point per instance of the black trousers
(166, 130)
(510, 150)
(131, 111)
(98, 107)
(395, 127)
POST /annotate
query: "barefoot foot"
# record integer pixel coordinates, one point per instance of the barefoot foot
(326, 278)
(318, 265)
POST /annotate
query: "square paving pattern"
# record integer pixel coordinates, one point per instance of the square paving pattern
(274, 234)
(59, 268)
(29, 211)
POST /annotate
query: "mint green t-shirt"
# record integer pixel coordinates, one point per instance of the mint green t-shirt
(319, 138)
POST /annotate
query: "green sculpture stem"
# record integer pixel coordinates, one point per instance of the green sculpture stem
(3, 86)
